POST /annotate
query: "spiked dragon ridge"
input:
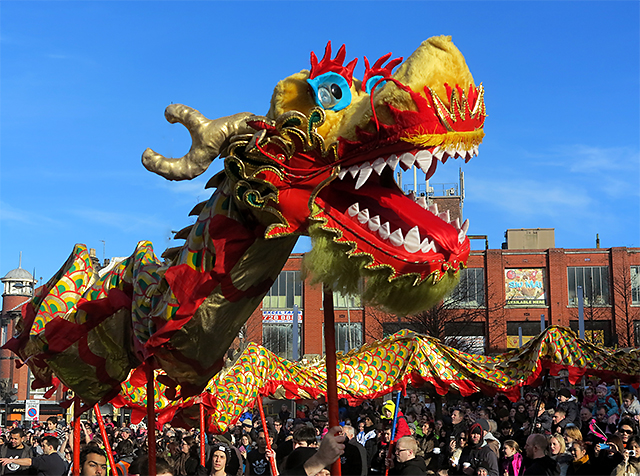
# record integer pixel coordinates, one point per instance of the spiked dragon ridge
(320, 163)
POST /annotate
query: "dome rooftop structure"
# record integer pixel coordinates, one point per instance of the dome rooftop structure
(18, 274)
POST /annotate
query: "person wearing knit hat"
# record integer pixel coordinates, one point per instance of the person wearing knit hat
(402, 428)
(569, 405)
(220, 456)
(606, 400)
(478, 453)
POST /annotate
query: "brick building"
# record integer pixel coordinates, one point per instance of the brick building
(509, 290)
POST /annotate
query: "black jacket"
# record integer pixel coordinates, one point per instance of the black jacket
(545, 466)
(413, 467)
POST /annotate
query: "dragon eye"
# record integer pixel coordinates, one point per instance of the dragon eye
(331, 91)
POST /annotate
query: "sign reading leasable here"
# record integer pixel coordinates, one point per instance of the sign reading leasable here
(32, 410)
(279, 317)
(524, 287)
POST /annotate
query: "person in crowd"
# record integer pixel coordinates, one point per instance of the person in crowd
(580, 464)
(306, 461)
(558, 451)
(607, 401)
(511, 459)
(585, 419)
(16, 449)
(48, 464)
(560, 421)
(354, 460)
(406, 461)
(51, 427)
(377, 461)
(631, 459)
(569, 404)
(368, 430)
(258, 459)
(140, 467)
(188, 461)
(541, 464)
(608, 455)
(458, 422)
(93, 461)
(630, 404)
(388, 412)
(589, 399)
(284, 414)
(626, 429)
(426, 442)
(478, 453)
(220, 457)
(543, 421)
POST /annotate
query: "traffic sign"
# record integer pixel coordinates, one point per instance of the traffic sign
(32, 410)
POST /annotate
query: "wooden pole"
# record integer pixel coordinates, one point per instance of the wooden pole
(105, 438)
(272, 461)
(202, 430)
(76, 436)
(330, 359)
(151, 419)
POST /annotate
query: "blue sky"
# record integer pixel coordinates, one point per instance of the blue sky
(84, 85)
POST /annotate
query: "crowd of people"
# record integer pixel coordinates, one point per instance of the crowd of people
(589, 430)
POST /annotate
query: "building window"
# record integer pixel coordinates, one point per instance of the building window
(4, 334)
(636, 327)
(595, 285)
(278, 338)
(348, 336)
(342, 301)
(285, 292)
(595, 332)
(470, 290)
(635, 285)
(468, 337)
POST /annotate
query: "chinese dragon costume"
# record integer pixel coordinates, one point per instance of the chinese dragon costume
(320, 163)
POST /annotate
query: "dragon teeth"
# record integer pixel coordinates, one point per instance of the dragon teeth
(428, 246)
(342, 173)
(463, 231)
(396, 238)
(378, 165)
(433, 208)
(353, 170)
(363, 216)
(363, 175)
(424, 160)
(384, 231)
(412, 240)
(374, 223)
(406, 160)
(412, 243)
(392, 161)
(444, 216)
(422, 201)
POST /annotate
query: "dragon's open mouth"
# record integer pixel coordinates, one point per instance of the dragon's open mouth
(365, 201)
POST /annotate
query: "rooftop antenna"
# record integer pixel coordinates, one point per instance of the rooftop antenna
(104, 249)
(20, 261)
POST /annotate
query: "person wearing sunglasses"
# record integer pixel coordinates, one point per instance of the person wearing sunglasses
(626, 429)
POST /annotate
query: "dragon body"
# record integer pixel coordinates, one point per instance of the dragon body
(319, 163)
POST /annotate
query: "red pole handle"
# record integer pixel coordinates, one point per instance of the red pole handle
(151, 418)
(201, 405)
(105, 438)
(76, 436)
(272, 461)
(330, 359)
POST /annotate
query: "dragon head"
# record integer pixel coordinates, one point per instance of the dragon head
(322, 161)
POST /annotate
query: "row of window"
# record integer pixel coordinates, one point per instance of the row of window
(278, 338)
(523, 288)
